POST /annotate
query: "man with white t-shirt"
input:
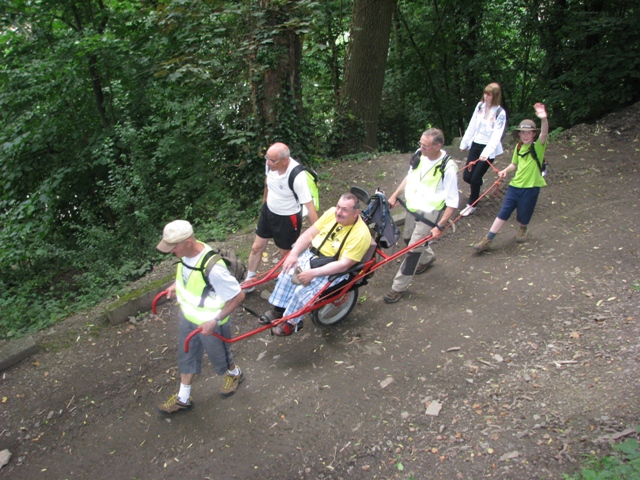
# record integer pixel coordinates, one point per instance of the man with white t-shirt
(281, 214)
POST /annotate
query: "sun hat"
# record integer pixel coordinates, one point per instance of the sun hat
(525, 126)
(174, 233)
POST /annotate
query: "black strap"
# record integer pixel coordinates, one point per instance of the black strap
(532, 151)
(292, 176)
(416, 215)
(205, 272)
(316, 251)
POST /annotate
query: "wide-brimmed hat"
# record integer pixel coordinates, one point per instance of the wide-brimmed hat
(174, 233)
(525, 126)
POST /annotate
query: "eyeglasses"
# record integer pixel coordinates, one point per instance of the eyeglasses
(424, 145)
(343, 209)
(270, 160)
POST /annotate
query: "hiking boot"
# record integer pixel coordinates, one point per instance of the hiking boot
(482, 245)
(468, 210)
(287, 328)
(422, 267)
(230, 384)
(173, 405)
(522, 234)
(392, 296)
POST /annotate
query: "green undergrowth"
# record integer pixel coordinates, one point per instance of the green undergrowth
(622, 464)
(48, 289)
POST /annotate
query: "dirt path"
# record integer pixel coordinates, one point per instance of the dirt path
(531, 350)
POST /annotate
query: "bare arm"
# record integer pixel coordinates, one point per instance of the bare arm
(312, 214)
(229, 307)
(541, 113)
(511, 168)
(300, 246)
(265, 192)
(446, 215)
(393, 199)
(171, 290)
(338, 266)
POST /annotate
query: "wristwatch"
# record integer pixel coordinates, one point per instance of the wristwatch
(440, 227)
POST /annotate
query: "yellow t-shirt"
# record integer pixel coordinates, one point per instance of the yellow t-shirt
(357, 242)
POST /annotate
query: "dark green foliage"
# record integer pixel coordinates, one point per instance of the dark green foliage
(119, 116)
(592, 61)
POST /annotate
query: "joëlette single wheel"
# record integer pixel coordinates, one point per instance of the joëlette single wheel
(335, 312)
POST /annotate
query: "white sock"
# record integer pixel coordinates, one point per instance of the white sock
(235, 372)
(184, 393)
(250, 275)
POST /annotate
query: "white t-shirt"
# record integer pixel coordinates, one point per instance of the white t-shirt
(280, 199)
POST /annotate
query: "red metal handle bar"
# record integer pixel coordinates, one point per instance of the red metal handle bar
(155, 301)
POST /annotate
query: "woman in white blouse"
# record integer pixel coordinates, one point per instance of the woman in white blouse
(483, 140)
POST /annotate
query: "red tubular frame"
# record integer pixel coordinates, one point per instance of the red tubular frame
(368, 268)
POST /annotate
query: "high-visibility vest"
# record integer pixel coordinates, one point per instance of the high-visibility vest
(421, 191)
(196, 303)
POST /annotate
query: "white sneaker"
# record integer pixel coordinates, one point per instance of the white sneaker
(250, 289)
(468, 210)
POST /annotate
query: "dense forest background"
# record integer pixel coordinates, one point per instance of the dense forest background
(118, 116)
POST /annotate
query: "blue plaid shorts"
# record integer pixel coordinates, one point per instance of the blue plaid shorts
(294, 297)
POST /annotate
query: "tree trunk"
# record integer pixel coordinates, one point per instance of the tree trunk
(277, 93)
(365, 64)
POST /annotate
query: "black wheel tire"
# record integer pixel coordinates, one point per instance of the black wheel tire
(332, 314)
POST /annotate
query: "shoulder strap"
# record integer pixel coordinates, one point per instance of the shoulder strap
(327, 236)
(533, 153)
(208, 262)
(337, 255)
(443, 165)
(292, 176)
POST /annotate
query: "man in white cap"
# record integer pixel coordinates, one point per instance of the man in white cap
(207, 297)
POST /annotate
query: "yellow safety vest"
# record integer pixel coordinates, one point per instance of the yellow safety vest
(196, 303)
(421, 190)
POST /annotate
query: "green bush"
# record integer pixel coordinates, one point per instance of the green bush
(623, 464)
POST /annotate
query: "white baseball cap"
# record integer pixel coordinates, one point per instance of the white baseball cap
(174, 233)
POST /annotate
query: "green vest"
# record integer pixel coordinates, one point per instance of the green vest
(195, 302)
(421, 190)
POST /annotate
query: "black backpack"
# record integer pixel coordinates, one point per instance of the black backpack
(415, 161)
(312, 181)
(379, 219)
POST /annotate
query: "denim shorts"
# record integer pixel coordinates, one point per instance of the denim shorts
(522, 199)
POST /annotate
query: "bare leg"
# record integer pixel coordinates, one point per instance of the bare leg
(259, 246)
(497, 225)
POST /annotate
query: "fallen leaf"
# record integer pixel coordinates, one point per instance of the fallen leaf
(510, 455)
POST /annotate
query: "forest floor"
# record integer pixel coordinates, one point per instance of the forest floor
(531, 350)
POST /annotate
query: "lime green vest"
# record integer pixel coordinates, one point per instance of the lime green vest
(195, 302)
(421, 190)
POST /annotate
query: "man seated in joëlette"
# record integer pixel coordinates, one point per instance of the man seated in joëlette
(333, 244)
